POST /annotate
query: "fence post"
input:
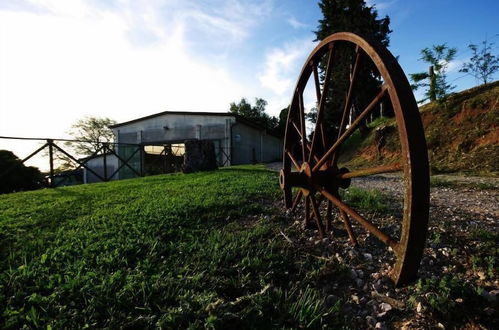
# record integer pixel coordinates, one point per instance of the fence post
(104, 149)
(51, 161)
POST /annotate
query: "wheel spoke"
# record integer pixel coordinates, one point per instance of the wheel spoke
(322, 103)
(298, 130)
(317, 83)
(302, 126)
(349, 99)
(309, 149)
(372, 171)
(319, 200)
(329, 215)
(348, 227)
(307, 145)
(297, 200)
(307, 211)
(323, 136)
(352, 127)
(317, 214)
(363, 221)
(293, 160)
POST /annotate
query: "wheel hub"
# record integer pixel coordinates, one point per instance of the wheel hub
(308, 180)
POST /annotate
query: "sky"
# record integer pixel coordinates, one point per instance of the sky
(62, 60)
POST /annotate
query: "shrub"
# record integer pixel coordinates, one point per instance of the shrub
(14, 176)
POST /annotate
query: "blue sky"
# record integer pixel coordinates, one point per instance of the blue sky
(61, 60)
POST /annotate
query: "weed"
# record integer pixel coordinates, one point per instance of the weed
(442, 296)
(480, 234)
(436, 238)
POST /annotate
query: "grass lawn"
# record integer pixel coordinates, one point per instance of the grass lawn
(172, 251)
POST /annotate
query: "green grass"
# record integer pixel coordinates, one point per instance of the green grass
(381, 121)
(172, 251)
(369, 200)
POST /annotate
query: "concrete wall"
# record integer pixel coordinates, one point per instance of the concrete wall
(272, 148)
(253, 145)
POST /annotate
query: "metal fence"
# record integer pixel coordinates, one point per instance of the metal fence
(62, 166)
(127, 158)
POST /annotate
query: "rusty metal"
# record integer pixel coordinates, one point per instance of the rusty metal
(314, 170)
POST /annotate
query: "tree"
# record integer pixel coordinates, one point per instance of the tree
(482, 65)
(283, 118)
(435, 80)
(90, 133)
(16, 176)
(255, 113)
(352, 16)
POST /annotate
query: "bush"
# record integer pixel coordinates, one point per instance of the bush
(17, 177)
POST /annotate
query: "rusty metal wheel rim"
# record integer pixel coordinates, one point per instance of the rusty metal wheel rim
(320, 174)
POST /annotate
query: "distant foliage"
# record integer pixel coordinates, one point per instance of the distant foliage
(483, 64)
(16, 176)
(255, 113)
(435, 80)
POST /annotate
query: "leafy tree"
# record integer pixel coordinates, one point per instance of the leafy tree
(16, 176)
(90, 133)
(435, 80)
(352, 16)
(255, 113)
(482, 65)
(283, 117)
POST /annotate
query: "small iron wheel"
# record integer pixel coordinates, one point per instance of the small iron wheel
(311, 172)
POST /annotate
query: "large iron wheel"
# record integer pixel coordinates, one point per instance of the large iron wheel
(311, 172)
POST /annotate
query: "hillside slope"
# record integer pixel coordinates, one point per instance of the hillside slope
(462, 134)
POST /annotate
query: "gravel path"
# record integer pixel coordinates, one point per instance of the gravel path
(483, 203)
(461, 245)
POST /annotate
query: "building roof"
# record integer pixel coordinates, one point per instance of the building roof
(197, 113)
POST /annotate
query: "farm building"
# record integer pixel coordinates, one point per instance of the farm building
(160, 139)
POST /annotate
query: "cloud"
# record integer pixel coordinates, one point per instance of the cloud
(381, 5)
(282, 66)
(65, 64)
(220, 22)
(295, 23)
(455, 65)
(281, 70)
(62, 60)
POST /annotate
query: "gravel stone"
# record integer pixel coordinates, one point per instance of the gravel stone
(385, 307)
